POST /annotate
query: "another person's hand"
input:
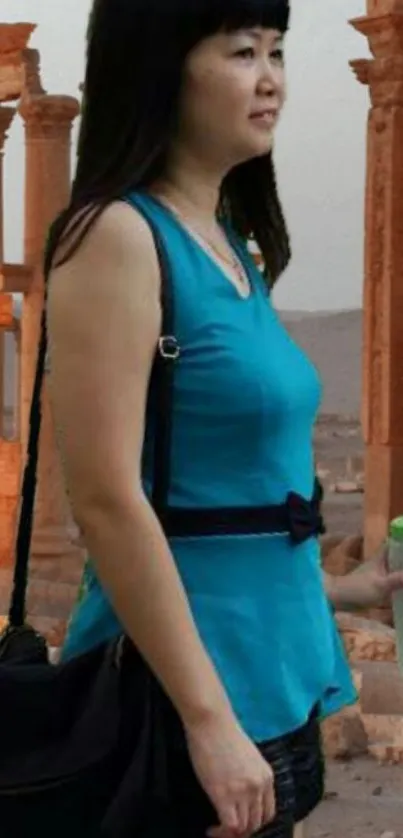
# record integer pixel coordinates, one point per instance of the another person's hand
(234, 775)
(377, 583)
(369, 586)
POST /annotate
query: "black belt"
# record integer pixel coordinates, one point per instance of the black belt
(299, 517)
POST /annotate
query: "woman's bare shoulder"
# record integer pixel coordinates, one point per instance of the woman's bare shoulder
(122, 225)
(116, 254)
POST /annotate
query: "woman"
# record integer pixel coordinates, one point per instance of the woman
(181, 103)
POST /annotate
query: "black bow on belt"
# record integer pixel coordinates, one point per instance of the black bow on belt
(304, 517)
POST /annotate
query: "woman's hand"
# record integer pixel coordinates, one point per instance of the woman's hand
(369, 586)
(234, 775)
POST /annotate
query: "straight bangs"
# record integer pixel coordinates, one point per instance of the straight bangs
(207, 17)
(246, 14)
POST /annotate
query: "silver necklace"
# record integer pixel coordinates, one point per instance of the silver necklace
(231, 260)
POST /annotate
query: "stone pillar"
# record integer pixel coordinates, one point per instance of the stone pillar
(382, 405)
(48, 122)
(13, 42)
(6, 118)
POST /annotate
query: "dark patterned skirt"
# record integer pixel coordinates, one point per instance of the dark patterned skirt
(298, 766)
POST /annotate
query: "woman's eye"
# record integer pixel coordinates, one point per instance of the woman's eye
(278, 56)
(246, 52)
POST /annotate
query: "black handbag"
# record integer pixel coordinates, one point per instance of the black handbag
(83, 743)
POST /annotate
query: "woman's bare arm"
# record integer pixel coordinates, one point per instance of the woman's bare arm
(104, 322)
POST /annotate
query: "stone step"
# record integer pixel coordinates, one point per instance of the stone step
(383, 728)
(381, 690)
(387, 752)
(367, 640)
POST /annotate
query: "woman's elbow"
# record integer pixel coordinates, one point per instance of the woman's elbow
(95, 508)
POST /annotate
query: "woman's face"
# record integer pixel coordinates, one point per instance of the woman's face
(232, 96)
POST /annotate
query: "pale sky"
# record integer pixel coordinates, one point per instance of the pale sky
(320, 148)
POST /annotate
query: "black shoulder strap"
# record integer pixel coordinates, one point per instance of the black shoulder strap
(167, 354)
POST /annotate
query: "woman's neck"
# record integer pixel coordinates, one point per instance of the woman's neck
(192, 190)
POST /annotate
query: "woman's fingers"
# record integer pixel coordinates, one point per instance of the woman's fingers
(269, 803)
(255, 820)
(248, 816)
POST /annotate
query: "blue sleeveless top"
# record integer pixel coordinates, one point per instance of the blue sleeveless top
(245, 403)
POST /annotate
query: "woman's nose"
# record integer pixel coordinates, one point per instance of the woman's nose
(270, 81)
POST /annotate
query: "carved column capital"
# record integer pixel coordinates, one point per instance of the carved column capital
(384, 77)
(383, 27)
(384, 33)
(14, 38)
(48, 117)
(6, 118)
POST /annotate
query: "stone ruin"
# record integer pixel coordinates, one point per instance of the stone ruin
(375, 725)
(47, 120)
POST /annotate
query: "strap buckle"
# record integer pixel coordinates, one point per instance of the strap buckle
(168, 348)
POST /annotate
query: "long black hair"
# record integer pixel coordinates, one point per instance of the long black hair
(136, 51)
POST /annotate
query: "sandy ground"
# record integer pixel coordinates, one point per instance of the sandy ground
(364, 800)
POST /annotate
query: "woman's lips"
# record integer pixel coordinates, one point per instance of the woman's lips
(264, 118)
